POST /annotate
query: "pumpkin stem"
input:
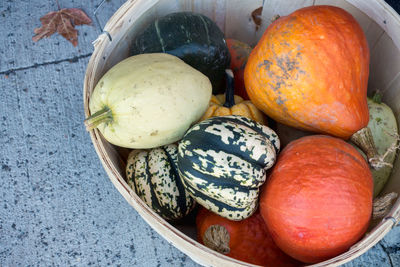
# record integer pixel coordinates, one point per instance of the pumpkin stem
(377, 98)
(217, 238)
(364, 140)
(102, 116)
(230, 89)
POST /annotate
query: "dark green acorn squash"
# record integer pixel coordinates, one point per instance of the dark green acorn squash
(194, 38)
(223, 161)
(153, 175)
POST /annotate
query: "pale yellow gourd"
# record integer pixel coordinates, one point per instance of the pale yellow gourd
(148, 100)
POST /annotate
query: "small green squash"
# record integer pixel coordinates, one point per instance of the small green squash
(148, 100)
(223, 161)
(192, 37)
(153, 175)
(383, 126)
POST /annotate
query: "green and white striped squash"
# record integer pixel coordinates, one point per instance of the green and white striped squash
(153, 174)
(223, 161)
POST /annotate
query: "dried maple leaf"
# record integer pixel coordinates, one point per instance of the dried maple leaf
(63, 21)
(256, 15)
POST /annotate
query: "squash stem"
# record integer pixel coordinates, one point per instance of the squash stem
(217, 238)
(382, 205)
(364, 140)
(230, 89)
(377, 98)
(102, 116)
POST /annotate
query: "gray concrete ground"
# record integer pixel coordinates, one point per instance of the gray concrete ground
(57, 205)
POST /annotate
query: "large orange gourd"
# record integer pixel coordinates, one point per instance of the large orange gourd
(317, 201)
(310, 71)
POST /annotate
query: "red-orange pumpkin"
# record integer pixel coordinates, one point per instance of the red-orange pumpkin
(318, 199)
(239, 54)
(247, 240)
(310, 70)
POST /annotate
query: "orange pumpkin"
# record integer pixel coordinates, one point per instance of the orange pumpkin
(239, 54)
(318, 200)
(230, 104)
(310, 71)
(247, 240)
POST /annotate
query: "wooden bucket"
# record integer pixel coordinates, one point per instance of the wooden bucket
(381, 25)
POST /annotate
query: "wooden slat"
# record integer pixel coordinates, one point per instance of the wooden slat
(371, 29)
(214, 9)
(385, 65)
(238, 21)
(164, 7)
(383, 14)
(391, 95)
(393, 183)
(373, 33)
(392, 98)
(281, 8)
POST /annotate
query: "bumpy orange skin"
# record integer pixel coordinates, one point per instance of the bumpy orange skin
(317, 202)
(250, 240)
(242, 107)
(310, 71)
